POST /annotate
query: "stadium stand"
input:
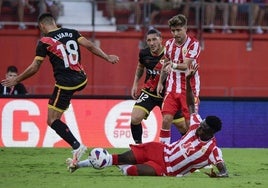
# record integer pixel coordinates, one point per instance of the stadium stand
(122, 16)
(9, 18)
(79, 14)
(76, 14)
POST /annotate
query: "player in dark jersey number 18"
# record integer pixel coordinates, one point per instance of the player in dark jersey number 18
(61, 45)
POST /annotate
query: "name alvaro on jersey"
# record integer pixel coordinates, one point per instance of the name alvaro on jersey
(62, 35)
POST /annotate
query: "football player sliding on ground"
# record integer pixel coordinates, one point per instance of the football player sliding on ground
(195, 150)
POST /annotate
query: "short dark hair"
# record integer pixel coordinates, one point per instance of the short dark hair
(46, 18)
(12, 68)
(214, 123)
(154, 31)
(178, 20)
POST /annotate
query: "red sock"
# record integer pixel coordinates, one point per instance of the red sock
(132, 171)
(115, 159)
(164, 133)
(165, 136)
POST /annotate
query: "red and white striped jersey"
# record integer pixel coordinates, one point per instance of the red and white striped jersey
(190, 153)
(177, 54)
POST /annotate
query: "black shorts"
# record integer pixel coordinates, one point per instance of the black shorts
(148, 101)
(61, 97)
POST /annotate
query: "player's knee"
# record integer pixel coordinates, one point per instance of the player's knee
(135, 120)
(180, 124)
(132, 171)
(167, 120)
(49, 122)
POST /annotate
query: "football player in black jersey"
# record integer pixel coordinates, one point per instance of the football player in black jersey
(150, 60)
(62, 46)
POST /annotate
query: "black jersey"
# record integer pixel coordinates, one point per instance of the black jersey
(18, 89)
(62, 48)
(153, 67)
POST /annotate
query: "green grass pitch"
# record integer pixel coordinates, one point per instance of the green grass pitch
(45, 167)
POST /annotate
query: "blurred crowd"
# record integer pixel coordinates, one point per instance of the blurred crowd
(212, 15)
(227, 15)
(31, 7)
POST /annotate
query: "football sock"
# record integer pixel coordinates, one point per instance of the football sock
(65, 133)
(84, 163)
(136, 131)
(132, 171)
(110, 160)
(124, 168)
(165, 136)
(114, 159)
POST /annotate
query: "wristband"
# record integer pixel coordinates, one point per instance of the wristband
(174, 65)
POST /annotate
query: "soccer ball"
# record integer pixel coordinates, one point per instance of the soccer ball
(99, 158)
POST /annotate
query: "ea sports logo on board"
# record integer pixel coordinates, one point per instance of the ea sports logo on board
(117, 125)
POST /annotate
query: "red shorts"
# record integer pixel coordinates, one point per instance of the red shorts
(152, 154)
(174, 102)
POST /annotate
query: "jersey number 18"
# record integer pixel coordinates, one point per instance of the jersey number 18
(71, 57)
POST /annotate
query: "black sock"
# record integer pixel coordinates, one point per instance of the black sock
(136, 131)
(65, 133)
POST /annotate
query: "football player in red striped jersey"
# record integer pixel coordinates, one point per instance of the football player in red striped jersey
(195, 150)
(181, 51)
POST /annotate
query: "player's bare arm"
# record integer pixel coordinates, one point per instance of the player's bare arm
(189, 93)
(138, 75)
(222, 170)
(28, 72)
(182, 66)
(163, 75)
(97, 51)
(223, 173)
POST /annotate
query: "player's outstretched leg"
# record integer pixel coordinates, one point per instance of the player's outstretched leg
(98, 158)
(80, 164)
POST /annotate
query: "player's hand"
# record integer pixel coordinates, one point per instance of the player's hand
(167, 67)
(212, 174)
(191, 71)
(134, 92)
(113, 59)
(9, 82)
(159, 89)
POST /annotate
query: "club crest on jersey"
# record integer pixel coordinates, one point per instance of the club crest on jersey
(204, 149)
(184, 51)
